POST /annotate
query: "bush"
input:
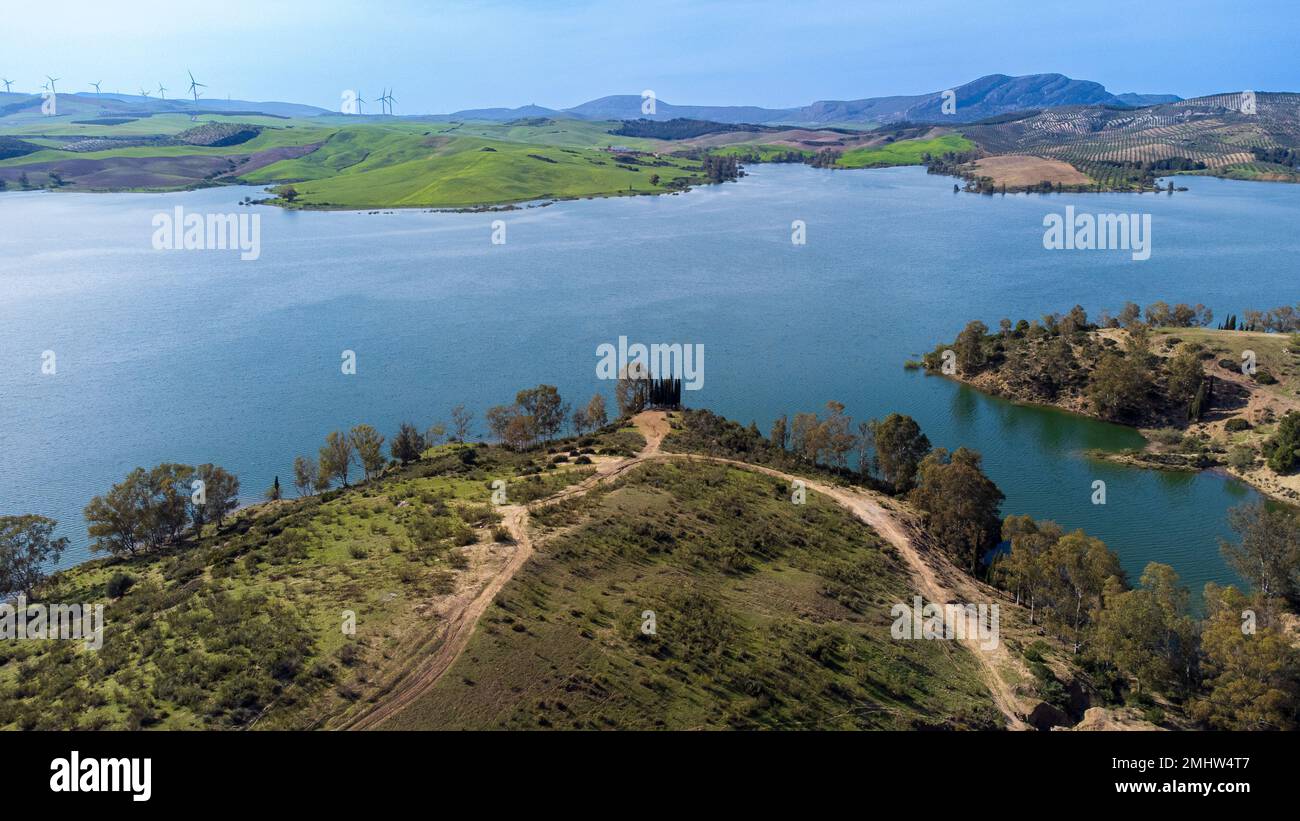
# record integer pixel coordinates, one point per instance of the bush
(1265, 378)
(501, 534)
(357, 551)
(1167, 436)
(118, 584)
(1235, 424)
(1241, 458)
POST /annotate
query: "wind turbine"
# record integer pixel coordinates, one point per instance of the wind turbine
(194, 86)
(143, 93)
(97, 85)
(52, 81)
(7, 84)
(162, 92)
(388, 98)
(360, 102)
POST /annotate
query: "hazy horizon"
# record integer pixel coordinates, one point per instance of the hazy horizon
(451, 56)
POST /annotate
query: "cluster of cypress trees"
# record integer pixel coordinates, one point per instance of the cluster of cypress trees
(665, 393)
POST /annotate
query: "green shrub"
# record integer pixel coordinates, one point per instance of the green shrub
(118, 584)
(1235, 424)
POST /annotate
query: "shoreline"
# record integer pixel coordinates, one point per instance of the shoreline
(1146, 458)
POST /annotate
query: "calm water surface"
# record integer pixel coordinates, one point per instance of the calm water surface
(199, 357)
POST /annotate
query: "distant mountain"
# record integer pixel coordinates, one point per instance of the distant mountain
(980, 99)
(1143, 100)
(127, 105)
(977, 100)
(628, 107)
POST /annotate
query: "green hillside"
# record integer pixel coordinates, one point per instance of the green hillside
(768, 615)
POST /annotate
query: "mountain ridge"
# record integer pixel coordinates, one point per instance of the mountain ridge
(987, 96)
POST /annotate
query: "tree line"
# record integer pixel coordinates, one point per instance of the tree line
(1234, 668)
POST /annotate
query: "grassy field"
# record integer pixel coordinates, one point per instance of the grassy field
(340, 162)
(371, 168)
(903, 152)
(245, 625)
(767, 615)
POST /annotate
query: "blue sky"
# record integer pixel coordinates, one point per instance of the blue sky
(442, 56)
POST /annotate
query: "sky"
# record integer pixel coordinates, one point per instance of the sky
(440, 56)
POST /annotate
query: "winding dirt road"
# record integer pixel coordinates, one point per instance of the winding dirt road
(928, 568)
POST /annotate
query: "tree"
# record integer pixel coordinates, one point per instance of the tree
(1130, 315)
(511, 425)
(1283, 447)
(899, 448)
(596, 415)
(408, 444)
(462, 422)
(335, 457)
(959, 504)
(837, 434)
(1158, 313)
(169, 503)
(579, 421)
(288, 193)
(1147, 633)
(26, 549)
(368, 444)
(149, 509)
(115, 521)
(805, 437)
(304, 475)
(1024, 569)
(1075, 321)
(1082, 569)
(632, 391)
(780, 435)
(1119, 386)
(969, 347)
(1268, 555)
(220, 496)
(1250, 680)
(435, 435)
(1184, 374)
(273, 493)
(546, 409)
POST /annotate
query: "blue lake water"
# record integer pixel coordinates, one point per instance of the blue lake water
(197, 356)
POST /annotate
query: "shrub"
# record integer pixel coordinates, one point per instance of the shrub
(501, 534)
(1241, 457)
(118, 584)
(1235, 424)
(1167, 436)
(1265, 378)
(357, 551)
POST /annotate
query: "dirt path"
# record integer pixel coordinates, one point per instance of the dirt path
(458, 631)
(653, 425)
(893, 527)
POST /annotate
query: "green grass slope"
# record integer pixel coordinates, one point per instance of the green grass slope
(768, 615)
(243, 628)
(903, 152)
